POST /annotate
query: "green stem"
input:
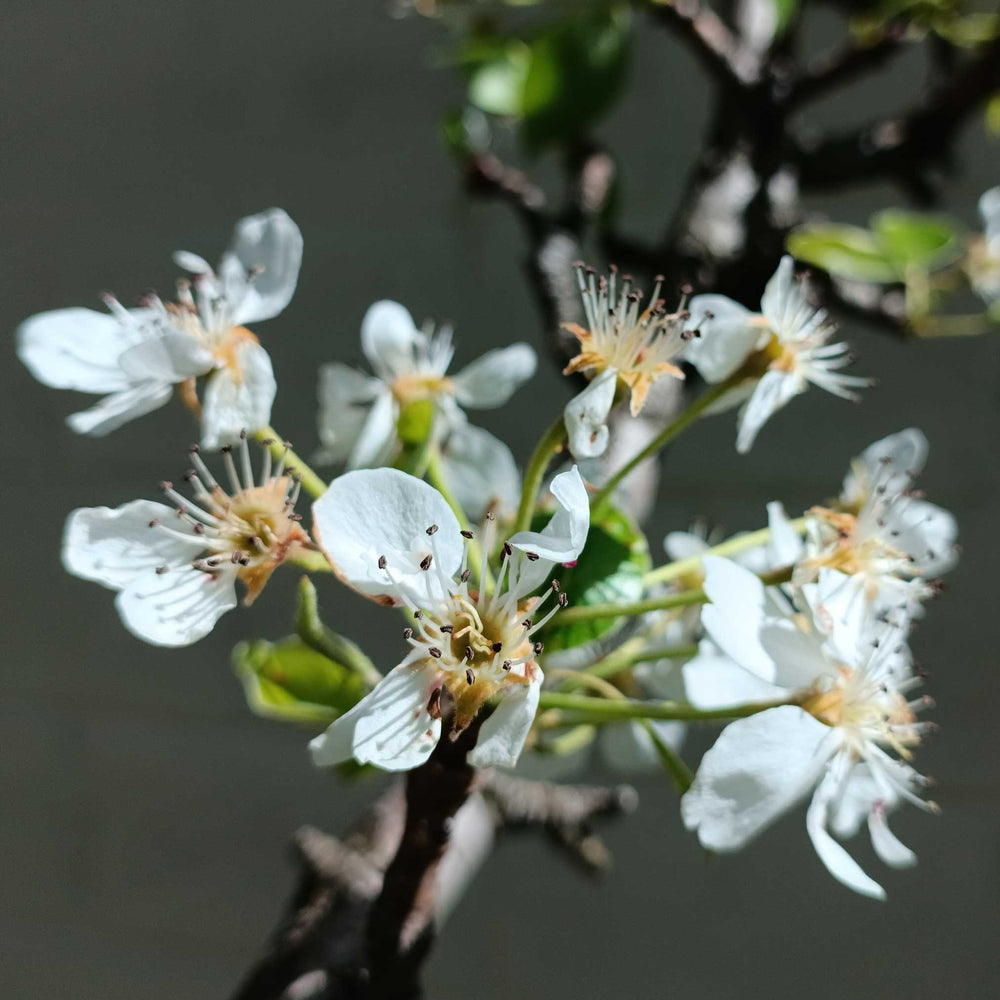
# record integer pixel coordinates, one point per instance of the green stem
(685, 598)
(316, 635)
(552, 440)
(585, 708)
(623, 658)
(672, 430)
(311, 482)
(680, 774)
(730, 547)
(310, 561)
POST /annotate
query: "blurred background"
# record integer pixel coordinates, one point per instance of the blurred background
(146, 811)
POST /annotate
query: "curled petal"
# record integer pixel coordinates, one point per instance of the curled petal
(586, 416)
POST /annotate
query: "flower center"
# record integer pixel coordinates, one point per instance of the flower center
(416, 388)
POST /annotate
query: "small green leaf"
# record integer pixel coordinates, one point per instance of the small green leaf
(785, 12)
(610, 568)
(848, 252)
(497, 85)
(289, 681)
(909, 238)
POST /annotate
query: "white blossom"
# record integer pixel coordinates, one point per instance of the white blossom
(622, 343)
(137, 356)
(845, 743)
(788, 337)
(360, 415)
(883, 535)
(984, 255)
(175, 565)
(394, 539)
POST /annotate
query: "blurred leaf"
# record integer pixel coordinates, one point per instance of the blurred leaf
(466, 132)
(911, 238)
(786, 11)
(993, 114)
(291, 682)
(497, 85)
(610, 568)
(848, 252)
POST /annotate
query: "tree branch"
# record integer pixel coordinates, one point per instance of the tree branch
(709, 38)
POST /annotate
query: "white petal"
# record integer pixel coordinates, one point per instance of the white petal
(713, 680)
(904, 452)
(377, 440)
(77, 349)
(120, 407)
(260, 269)
(390, 339)
(345, 398)
(798, 657)
(727, 339)
(480, 471)
(736, 614)
(370, 513)
(390, 727)
(112, 547)
(758, 769)
(771, 393)
(782, 297)
(989, 209)
(240, 400)
(191, 262)
(502, 735)
(175, 608)
(925, 532)
(586, 416)
(890, 849)
(683, 545)
(561, 540)
(492, 379)
(785, 545)
(172, 357)
(838, 862)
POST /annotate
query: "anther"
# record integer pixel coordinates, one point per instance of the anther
(496, 647)
(382, 562)
(407, 633)
(418, 614)
(434, 704)
(507, 550)
(563, 600)
(470, 677)
(166, 485)
(435, 652)
(490, 516)
(160, 570)
(432, 529)
(425, 563)
(538, 647)
(506, 665)
(526, 623)
(155, 523)
(469, 654)
(447, 629)
(466, 573)
(467, 534)
(532, 556)
(555, 585)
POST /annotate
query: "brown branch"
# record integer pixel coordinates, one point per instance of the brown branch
(843, 66)
(905, 146)
(711, 41)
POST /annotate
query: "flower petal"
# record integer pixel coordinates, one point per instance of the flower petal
(683, 545)
(171, 357)
(370, 513)
(112, 547)
(713, 680)
(175, 608)
(480, 471)
(390, 727)
(727, 339)
(239, 400)
(377, 441)
(492, 379)
(120, 407)
(890, 849)
(78, 348)
(389, 338)
(771, 393)
(502, 735)
(785, 547)
(345, 399)
(736, 614)
(925, 532)
(837, 861)
(586, 416)
(260, 269)
(758, 768)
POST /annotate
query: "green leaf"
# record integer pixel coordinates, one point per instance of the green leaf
(993, 115)
(497, 84)
(785, 12)
(610, 568)
(289, 681)
(848, 252)
(909, 238)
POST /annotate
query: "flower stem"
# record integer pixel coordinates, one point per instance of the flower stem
(685, 598)
(680, 774)
(672, 430)
(586, 708)
(730, 547)
(551, 442)
(311, 482)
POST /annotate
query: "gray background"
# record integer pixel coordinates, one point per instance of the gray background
(146, 811)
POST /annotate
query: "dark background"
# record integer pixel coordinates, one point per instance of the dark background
(146, 811)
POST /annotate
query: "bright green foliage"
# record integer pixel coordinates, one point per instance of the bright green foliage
(290, 681)
(610, 568)
(558, 82)
(897, 243)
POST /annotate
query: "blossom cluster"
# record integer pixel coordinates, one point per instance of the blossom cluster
(797, 634)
